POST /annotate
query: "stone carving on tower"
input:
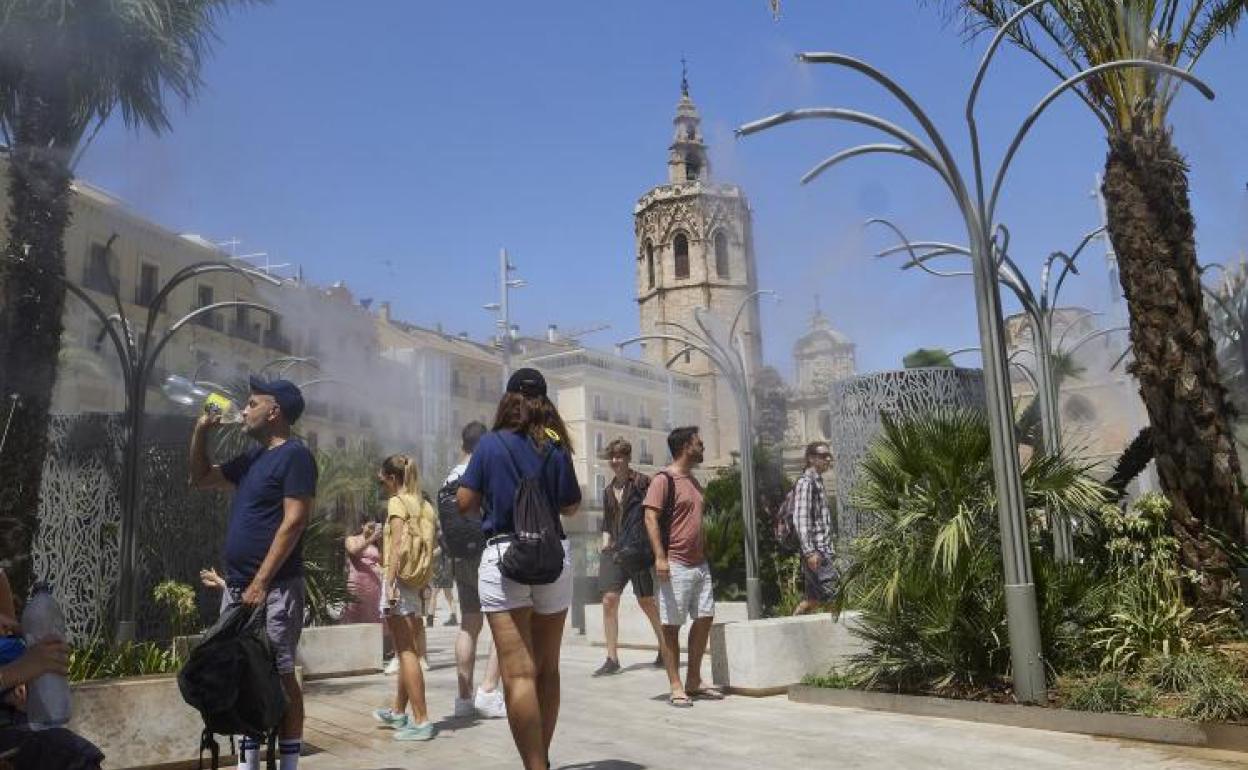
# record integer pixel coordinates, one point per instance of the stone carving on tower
(695, 249)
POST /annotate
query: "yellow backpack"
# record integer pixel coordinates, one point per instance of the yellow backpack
(414, 551)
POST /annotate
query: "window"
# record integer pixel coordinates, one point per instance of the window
(692, 168)
(825, 424)
(149, 285)
(650, 262)
(101, 269)
(681, 248)
(599, 444)
(204, 294)
(600, 484)
(600, 412)
(721, 254)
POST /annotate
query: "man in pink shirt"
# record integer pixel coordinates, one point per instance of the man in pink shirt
(674, 522)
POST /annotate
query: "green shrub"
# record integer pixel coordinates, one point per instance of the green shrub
(103, 660)
(1108, 692)
(1184, 672)
(837, 680)
(178, 599)
(1219, 699)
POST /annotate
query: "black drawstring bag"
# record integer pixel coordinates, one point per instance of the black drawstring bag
(535, 556)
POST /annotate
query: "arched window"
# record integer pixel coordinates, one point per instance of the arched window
(681, 248)
(692, 168)
(825, 424)
(721, 255)
(650, 262)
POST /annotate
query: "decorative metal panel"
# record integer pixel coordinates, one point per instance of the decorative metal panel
(858, 402)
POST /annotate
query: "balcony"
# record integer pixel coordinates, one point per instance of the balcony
(601, 415)
(644, 422)
(645, 459)
(210, 321)
(459, 390)
(622, 419)
(249, 332)
(277, 341)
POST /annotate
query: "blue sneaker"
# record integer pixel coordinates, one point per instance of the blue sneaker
(413, 732)
(390, 719)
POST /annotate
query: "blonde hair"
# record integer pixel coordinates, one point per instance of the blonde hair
(403, 468)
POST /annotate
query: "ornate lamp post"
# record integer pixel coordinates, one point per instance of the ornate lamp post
(977, 203)
(727, 353)
(138, 358)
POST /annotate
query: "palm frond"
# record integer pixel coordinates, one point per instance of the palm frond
(1218, 20)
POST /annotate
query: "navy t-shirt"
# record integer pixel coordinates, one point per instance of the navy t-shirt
(492, 473)
(263, 479)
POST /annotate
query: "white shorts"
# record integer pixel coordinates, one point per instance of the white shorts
(412, 601)
(687, 594)
(499, 594)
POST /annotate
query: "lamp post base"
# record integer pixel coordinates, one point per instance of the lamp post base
(754, 598)
(1028, 666)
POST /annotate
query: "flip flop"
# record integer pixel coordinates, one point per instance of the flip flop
(706, 693)
(680, 701)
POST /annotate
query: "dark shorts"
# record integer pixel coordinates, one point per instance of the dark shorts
(612, 580)
(465, 573)
(283, 618)
(442, 573)
(821, 583)
(54, 749)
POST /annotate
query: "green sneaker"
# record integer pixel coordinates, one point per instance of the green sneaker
(413, 732)
(390, 719)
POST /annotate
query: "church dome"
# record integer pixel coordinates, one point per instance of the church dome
(820, 339)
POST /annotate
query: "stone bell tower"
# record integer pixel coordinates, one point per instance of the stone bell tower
(695, 249)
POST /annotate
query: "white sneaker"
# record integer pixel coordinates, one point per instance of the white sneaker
(392, 667)
(465, 707)
(490, 704)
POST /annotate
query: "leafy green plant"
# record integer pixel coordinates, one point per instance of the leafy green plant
(103, 660)
(1219, 699)
(324, 572)
(1111, 691)
(834, 679)
(1185, 671)
(178, 599)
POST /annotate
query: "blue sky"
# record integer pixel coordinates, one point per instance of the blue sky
(398, 145)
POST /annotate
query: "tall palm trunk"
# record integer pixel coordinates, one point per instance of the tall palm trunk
(32, 299)
(1153, 232)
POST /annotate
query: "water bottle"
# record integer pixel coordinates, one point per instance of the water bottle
(219, 404)
(47, 697)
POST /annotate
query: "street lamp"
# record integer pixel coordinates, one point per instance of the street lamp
(1040, 307)
(503, 308)
(727, 353)
(138, 358)
(977, 203)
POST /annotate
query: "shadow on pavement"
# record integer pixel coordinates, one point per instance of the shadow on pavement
(604, 764)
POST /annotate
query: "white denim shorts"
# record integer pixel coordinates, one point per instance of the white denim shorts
(688, 594)
(412, 601)
(499, 594)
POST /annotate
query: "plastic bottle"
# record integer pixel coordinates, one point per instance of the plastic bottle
(47, 697)
(229, 411)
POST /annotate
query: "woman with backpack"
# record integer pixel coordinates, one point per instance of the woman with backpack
(409, 539)
(523, 470)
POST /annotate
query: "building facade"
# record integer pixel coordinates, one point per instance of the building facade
(695, 251)
(821, 357)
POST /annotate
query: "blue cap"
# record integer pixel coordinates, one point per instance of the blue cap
(284, 392)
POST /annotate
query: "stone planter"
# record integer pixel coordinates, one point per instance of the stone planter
(139, 722)
(325, 651)
(766, 657)
(635, 630)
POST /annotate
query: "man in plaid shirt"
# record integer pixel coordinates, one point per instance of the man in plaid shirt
(813, 523)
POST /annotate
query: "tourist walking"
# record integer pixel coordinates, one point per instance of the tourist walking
(621, 503)
(674, 521)
(812, 524)
(523, 470)
(274, 486)
(409, 541)
(488, 700)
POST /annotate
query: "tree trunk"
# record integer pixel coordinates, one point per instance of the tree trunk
(1153, 232)
(32, 299)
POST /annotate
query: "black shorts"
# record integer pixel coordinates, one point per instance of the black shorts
(464, 571)
(612, 580)
(821, 583)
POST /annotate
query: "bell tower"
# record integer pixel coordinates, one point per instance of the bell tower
(695, 249)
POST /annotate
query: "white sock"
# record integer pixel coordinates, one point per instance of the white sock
(248, 754)
(288, 752)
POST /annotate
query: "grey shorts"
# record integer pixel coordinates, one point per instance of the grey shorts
(283, 618)
(688, 594)
(612, 579)
(465, 574)
(820, 584)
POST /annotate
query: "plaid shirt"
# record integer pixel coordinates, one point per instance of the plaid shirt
(812, 525)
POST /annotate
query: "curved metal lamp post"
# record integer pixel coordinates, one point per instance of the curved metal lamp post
(727, 354)
(1040, 308)
(138, 359)
(977, 203)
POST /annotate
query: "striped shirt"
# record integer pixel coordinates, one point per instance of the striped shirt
(811, 517)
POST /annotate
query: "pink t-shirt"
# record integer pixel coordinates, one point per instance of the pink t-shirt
(686, 545)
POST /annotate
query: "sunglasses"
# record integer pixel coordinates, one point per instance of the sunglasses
(823, 455)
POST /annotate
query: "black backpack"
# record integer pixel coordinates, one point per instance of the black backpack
(231, 679)
(535, 556)
(633, 552)
(461, 534)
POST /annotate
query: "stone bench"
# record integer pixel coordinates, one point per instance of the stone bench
(766, 657)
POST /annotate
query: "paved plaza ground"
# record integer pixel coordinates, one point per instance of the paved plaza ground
(623, 722)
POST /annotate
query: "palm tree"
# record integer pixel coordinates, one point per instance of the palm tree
(65, 68)
(1153, 232)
